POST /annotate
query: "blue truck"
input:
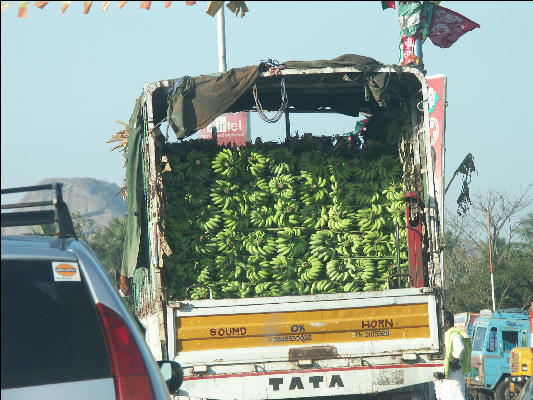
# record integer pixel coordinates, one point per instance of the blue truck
(495, 334)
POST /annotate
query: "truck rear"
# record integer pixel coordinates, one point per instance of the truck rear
(343, 301)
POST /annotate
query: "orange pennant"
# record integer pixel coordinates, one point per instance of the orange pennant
(87, 6)
(145, 5)
(5, 6)
(105, 5)
(23, 9)
(167, 4)
(64, 6)
(121, 4)
(190, 3)
(40, 4)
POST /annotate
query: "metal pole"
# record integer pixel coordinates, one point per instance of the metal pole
(221, 33)
(490, 262)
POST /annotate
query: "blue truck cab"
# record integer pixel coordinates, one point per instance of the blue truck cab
(495, 334)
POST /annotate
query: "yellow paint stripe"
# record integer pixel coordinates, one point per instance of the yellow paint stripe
(302, 327)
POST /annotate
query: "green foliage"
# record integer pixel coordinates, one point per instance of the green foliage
(466, 255)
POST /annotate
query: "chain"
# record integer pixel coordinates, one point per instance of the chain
(282, 108)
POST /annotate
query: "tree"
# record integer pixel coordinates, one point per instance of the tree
(466, 255)
(108, 243)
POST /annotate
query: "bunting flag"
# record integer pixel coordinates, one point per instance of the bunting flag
(388, 4)
(87, 6)
(145, 5)
(213, 7)
(236, 7)
(64, 6)
(23, 9)
(447, 26)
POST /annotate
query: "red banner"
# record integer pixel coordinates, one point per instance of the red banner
(231, 128)
(437, 125)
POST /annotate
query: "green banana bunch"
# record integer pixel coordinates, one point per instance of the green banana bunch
(229, 241)
(322, 286)
(337, 272)
(262, 217)
(342, 192)
(366, 193)
(375, 244)
(313, 189)
(282, 186)
(257, 163)
(282, 161)
(204, 246)
(286, 212)
(235, 220)
(314, 217)
(309, 268)
(258, 193)
(348, 244)
(314, 162)
(339, 169)
(283, 268)
(388, 167)
(367, 269)
(258, 243)
(263, 289)
(321, 245)
(291, 243)
(228, 163)
(198, 165)
(340, 218)
(225, 194)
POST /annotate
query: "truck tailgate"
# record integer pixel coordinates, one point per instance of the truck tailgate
(289, 329)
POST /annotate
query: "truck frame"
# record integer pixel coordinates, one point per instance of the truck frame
(390, 342)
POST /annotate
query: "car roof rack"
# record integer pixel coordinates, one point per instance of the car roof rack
(59, 214)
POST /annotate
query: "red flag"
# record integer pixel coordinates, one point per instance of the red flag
(190, 3)
(87, 6)
(447, 26)
(64, 6)
(145, 5)
(40, 4)
(23, 9)
(388, 4)
(121, 4)
(167, 4)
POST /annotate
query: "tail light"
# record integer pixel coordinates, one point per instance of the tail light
(131, 377)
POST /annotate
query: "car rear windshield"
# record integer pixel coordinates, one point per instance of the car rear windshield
(51, 332)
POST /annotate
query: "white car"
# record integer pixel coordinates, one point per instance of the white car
(65, 332)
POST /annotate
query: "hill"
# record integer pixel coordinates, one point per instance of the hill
(92, 198)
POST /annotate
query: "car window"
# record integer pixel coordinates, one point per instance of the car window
(51, 332)
(493, 340)
(479, 338)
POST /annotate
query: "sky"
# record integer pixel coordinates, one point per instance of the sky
(66, 79)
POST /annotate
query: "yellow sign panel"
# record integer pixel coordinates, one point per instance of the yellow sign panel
(407, 321)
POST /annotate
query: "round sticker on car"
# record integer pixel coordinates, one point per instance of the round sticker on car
(66, 271)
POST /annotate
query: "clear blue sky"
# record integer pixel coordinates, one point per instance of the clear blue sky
(65, 79)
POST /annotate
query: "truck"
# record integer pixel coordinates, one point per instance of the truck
(521, 360)
(496, 334)
(298, 337)
(465, 321)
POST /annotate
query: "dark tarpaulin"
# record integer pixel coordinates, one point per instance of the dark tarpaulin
(198, 101)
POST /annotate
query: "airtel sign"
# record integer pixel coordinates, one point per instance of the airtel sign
(230, 128)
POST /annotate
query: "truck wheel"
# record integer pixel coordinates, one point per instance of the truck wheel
(503, 391)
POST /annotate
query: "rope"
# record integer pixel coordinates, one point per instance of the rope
(282, 108)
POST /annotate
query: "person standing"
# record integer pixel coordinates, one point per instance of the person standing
(458, 347)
